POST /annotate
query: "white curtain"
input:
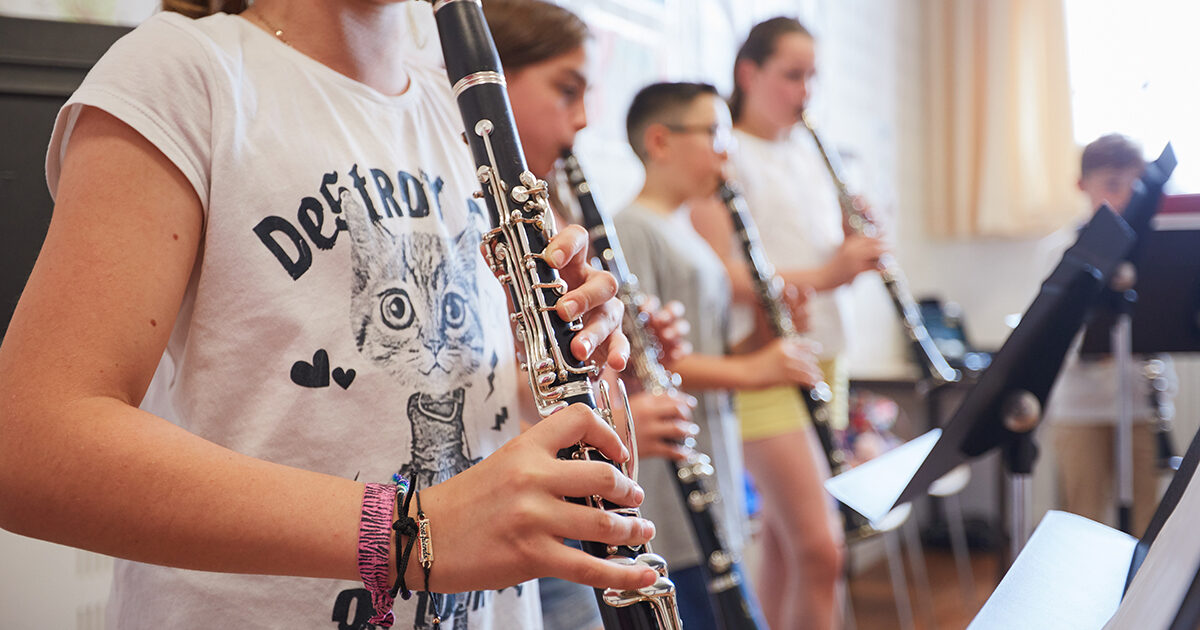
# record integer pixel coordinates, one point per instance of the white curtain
(1001, 156)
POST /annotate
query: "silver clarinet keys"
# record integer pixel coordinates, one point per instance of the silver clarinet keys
(660, 594)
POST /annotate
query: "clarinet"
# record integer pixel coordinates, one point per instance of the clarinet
(523, 225)
(933, 364)
(693, 476)
(769, 287)
(1154, 370)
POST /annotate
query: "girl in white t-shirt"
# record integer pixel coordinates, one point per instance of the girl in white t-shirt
(794, 203)
(264, 236)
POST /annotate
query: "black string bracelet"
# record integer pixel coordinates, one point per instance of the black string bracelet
(405, 525)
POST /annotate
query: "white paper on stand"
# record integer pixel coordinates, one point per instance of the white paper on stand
(873, 487)
(1069, 576)
(1158, 589)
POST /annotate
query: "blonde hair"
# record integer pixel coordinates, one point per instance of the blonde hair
(201, 8)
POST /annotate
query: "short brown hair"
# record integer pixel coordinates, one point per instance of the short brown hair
(201, 8)
(1111, 151)
(660, 103)
(531, 31)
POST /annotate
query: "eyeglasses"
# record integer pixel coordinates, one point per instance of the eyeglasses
(722, 139)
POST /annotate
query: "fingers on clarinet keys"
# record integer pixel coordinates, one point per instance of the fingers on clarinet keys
(579, 424)
(597, 479)
(662, 586)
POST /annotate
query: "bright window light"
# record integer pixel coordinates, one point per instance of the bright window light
(1133, 71)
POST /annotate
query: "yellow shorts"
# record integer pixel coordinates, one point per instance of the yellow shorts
(774, 411)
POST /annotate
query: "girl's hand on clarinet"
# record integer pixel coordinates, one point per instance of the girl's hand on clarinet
(663, 423)
(796, 298)
(591, 295)
(502, 521)
(668, 324)
(855, 255)
(784, 362)
(863, 207)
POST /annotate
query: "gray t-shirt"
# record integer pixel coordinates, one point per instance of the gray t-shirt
(673, 262)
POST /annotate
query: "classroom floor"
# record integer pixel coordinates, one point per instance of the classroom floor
(875, 607)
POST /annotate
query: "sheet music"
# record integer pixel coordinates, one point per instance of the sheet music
(1158, 589)
(872, 487)
(1069, 577)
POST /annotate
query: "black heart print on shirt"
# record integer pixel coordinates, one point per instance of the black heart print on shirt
(316, 374)
(343, 377)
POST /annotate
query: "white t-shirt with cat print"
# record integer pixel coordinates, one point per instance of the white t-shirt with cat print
(339, 317)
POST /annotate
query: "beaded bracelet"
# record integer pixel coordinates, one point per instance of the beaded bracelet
(379, 502)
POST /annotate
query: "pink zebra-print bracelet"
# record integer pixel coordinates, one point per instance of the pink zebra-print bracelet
(374, 542)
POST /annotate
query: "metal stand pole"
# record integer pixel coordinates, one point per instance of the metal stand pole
(962, 551)
(1020, 513)
(1022, 413)
(1122, 349)
(895, 558)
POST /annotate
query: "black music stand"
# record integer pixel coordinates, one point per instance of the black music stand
(1166, 316)
(1115, 324)
(1003, 408)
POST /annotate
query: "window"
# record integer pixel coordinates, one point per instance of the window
(1133, 71)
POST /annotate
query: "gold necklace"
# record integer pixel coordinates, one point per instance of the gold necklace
(278, 32)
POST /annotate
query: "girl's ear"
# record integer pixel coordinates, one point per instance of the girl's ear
(743, 73)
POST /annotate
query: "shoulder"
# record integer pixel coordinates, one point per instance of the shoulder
(171, 40)
(170, 58)
(636, 222)
(162, 79)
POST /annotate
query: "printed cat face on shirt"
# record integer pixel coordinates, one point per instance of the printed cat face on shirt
(411, 297)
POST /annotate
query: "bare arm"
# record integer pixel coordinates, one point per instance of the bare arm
(780, 362)
(82, 466)
(856, 255)
(711, 221)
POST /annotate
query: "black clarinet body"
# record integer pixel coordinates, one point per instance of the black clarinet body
(693, 476)
(769, 288)
(933, 363)
(522, 226)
